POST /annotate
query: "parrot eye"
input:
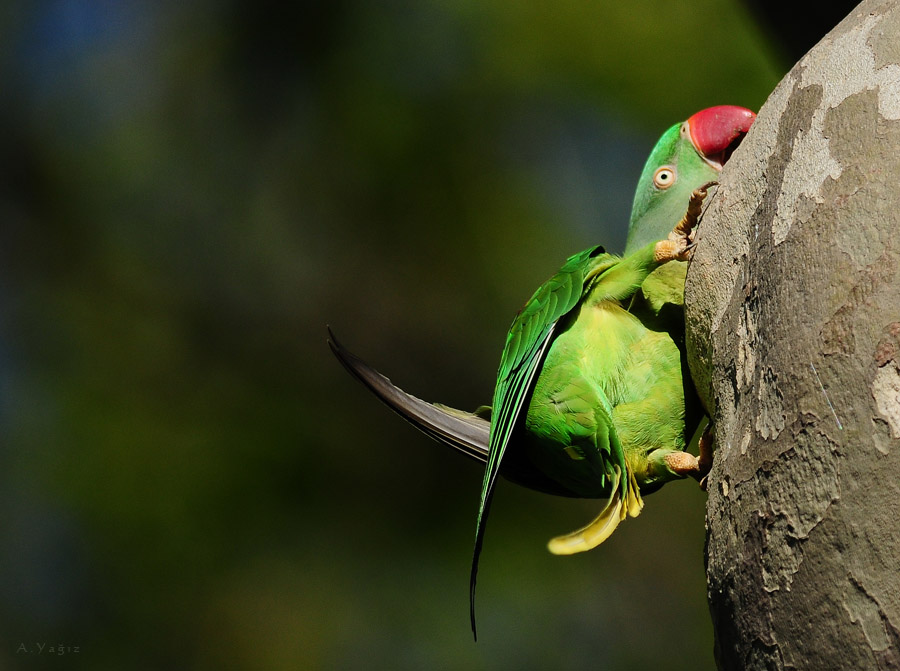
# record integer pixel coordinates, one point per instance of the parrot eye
(664, 178)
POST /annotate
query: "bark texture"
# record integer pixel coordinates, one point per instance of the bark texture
(793, 312)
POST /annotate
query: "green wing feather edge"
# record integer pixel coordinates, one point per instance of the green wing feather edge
(528, 338)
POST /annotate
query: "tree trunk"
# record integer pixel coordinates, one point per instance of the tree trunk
(793, 315)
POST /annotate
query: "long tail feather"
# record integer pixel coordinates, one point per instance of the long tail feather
(463, 431)
(466, 432)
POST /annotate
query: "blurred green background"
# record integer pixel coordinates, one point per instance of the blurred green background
(192, 191)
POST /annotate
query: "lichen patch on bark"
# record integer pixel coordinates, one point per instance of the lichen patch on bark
(770, 418)
(812, 161)
(886, 391)
(864, 611)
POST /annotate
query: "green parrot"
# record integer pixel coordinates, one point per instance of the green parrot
(593, 398)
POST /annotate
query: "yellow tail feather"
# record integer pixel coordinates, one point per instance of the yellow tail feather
(634, 501)
(602, 527)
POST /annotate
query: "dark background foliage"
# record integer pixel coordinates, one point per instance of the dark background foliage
(192, 191)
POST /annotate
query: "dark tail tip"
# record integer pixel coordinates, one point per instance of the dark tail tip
(333, 343)
(472, 579)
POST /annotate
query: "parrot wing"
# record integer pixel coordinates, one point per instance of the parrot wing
(526, 344)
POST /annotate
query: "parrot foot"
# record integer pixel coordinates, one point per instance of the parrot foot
(683, 463)
(679, 246)
(686, 464)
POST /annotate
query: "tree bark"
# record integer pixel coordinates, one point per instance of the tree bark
(793, 318)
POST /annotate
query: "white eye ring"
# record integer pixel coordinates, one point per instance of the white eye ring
(664, 177)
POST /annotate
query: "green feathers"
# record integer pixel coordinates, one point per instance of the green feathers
(592, 396)
(593, 358)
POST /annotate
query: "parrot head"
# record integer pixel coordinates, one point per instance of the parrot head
(687, 156)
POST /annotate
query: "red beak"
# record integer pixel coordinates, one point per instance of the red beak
(717, 131)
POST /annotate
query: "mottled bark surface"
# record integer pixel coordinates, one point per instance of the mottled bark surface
(793, 308)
